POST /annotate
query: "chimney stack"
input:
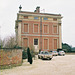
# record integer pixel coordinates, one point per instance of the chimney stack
(37, 9)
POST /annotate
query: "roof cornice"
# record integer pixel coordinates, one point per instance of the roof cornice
(39, 14)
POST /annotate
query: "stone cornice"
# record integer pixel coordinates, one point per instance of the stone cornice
(40, 35)
(41, 15)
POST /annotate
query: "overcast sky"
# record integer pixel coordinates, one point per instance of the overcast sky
(9, 10)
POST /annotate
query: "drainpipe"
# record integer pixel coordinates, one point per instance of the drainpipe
(40, 33)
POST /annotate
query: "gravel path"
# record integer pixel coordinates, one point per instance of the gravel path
(59, 65)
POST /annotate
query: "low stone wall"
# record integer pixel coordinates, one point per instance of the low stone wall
(9, 57)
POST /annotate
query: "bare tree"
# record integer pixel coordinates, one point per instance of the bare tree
(1, 43)
(10, 41)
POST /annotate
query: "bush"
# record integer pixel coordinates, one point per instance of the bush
(24, 54)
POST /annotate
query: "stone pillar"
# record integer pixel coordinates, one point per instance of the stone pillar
(19, 34)
(60, 36)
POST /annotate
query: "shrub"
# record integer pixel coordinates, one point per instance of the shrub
(24, 54)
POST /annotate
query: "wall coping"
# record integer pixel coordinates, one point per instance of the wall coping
(11, 48)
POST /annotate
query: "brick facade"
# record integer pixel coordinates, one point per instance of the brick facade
(42, 30)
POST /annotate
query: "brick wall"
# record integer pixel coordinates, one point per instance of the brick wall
(10, 57)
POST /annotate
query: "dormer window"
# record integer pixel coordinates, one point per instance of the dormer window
(45, 18)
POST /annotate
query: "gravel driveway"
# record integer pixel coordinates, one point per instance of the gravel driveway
(59, 65)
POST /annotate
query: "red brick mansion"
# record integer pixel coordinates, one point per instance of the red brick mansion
(38, 30)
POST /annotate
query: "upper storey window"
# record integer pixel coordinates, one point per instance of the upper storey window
(45, 18)
(36, 18)
(26, 28)
(25, 17)
(55, 29)
(36, 28)
(54, 19)
(46, 29)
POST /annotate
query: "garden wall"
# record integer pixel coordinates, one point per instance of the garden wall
(10, 57)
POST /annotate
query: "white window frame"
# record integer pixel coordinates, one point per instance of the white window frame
(33, 41)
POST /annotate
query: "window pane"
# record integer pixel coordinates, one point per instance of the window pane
(45, 44)
(36, 28)
(35, 41)
(45, 28)
(45, 18)
(55, 29)
(25, 17)
(25, 27)
(54, 19)
(36, 18)
(55, 43)
(25, 42)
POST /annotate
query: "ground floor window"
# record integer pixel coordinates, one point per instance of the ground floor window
(25, 42)
(55, 43)
(46, 44)
(35, 41)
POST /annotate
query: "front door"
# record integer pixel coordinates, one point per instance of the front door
(36, 46)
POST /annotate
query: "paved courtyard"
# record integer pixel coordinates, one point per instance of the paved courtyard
(59, 65)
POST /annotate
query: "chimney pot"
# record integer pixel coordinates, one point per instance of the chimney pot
(37, 9)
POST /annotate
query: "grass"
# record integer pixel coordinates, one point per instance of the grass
(9, 66)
